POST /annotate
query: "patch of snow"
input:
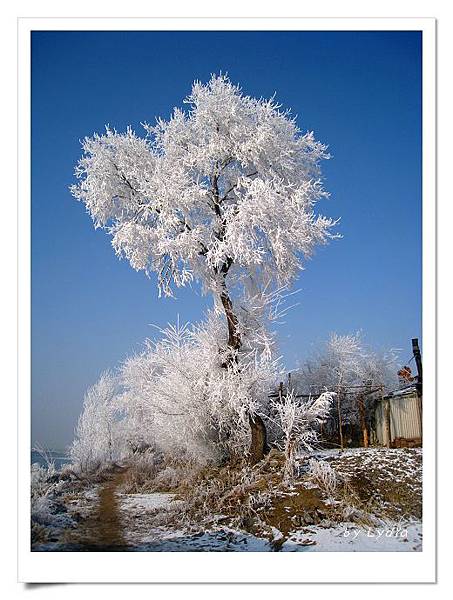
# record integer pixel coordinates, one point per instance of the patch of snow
(223, 540)
(348, 537)
(152, 501)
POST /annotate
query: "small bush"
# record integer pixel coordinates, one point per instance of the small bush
(324, 476)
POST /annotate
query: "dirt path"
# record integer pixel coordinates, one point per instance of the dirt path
(109, 529)
(102, 531)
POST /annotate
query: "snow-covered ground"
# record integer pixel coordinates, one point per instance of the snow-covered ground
(345, 537)
(140, 502)
(384, 487)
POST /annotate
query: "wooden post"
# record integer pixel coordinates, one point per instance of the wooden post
(340, 422)
(363, 427)
(387, 426)
(418, 358)
(418, 362)
(280, 392)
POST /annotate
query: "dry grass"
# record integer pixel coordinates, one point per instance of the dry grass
(382, 482)
(255, 499)
(39, 533)
(362, 487)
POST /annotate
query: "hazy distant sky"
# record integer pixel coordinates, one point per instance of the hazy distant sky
(359, 92)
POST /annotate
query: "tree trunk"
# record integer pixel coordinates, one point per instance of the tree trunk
(258, 445)
(234, 338)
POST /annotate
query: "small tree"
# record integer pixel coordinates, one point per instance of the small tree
(95, 443)
(345, 364)
(298, 420)
(222, 193)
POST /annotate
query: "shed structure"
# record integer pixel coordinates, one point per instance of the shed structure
(404, 408)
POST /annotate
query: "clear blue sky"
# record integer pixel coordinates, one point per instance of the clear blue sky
(361, 94)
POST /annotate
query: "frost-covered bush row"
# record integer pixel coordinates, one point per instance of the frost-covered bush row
(177, 398)
(45, 487)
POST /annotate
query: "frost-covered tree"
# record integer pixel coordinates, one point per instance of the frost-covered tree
(344, 361)
(97, 437)
(346, 365)
(223, 192)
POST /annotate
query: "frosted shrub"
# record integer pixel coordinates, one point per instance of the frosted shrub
(44, 489)
(298, 420)
(39, 479)
(325, 477)
(41, 510)
(194, 408)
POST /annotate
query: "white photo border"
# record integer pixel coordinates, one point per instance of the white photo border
(210, 567)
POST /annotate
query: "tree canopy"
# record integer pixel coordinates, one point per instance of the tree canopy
(228, 185)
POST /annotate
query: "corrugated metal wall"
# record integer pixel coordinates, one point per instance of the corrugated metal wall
(405, 418)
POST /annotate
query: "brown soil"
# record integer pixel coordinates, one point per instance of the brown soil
(256, 499)
(290, 512)
(102, 530)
